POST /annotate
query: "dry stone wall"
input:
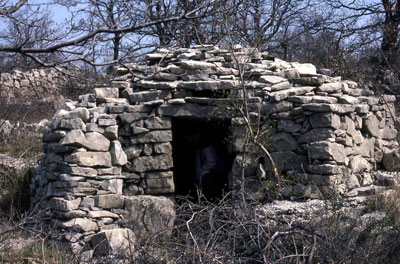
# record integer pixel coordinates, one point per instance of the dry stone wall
(30, 86)
(108, 160)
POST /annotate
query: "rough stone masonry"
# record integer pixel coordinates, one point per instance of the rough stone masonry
(107, 171)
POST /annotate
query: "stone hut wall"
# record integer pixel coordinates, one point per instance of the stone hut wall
(108, 156)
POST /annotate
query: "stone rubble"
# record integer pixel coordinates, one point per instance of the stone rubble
(108, 157)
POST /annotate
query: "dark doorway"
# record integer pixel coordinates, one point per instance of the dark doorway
(201, 157)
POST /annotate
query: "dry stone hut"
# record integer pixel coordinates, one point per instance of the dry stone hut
(114, 159)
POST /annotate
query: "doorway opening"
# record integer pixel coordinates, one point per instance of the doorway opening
(202, 157)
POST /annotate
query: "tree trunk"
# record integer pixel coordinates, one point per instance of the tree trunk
(390, 32)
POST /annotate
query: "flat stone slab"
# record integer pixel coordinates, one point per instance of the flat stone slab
(90, 159)
(151, 163)
(209, 85)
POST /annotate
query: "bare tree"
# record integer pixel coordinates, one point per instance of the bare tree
(94, 24)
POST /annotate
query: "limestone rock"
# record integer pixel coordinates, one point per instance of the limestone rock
(152, 85)
(288, 126)
(281, 95)
(391, 159)
(208, 85)
(287, 160)
(273, 108)
(64, 205)
(305, 68)
(371, 126)
(317, 134)
(163, 148)
(90, 159)
(388, 133)
(347, 99)
(133, 152)
(102, 214)
(284, 142)
(325, 169)
(143, 96)
(149, 163)
(118, 242)
(325, 150)
(79, 112)
(330, 87)
(118, 155)
(320, 120)
(111, 132)
(159, 183)
(80, 171)
(152, 137)
(109, 201)
(102, 93)
(271, 80)
(113, 185)
(359, 164)
(78, 224)
(196, 65)
(54, 136)
(130, 117)
(91, 141)
(156, 122)
(149, 215)
(195, 110)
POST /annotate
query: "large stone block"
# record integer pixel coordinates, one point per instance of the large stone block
(273, 108)
(151, 163)
(287, 160)
(371, 126)
(359, 164)
(78, 224)
(118, 242)
(102, 93)
(287, 125)
(319, 120)
(391, 159)
(109, 201)
(284, 142)
(133, 152)
(325, 150)
(79, 112)
(330, 87)
(156, 122)
(163, 148)
(91, 141)
(317, 134)
(61, 204)
(118, 156)
(196, 65)
(159, 185)
(305, 68)
(271, 80)
(325, 169)
(152, 85)
(209, 85)
(130, 117)
(149, 215)
(52, 136)
(143, 96)
(79, 171)
(196, 111)
(281, 95)
(90, 159)
(75, 123)
(157, 136)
